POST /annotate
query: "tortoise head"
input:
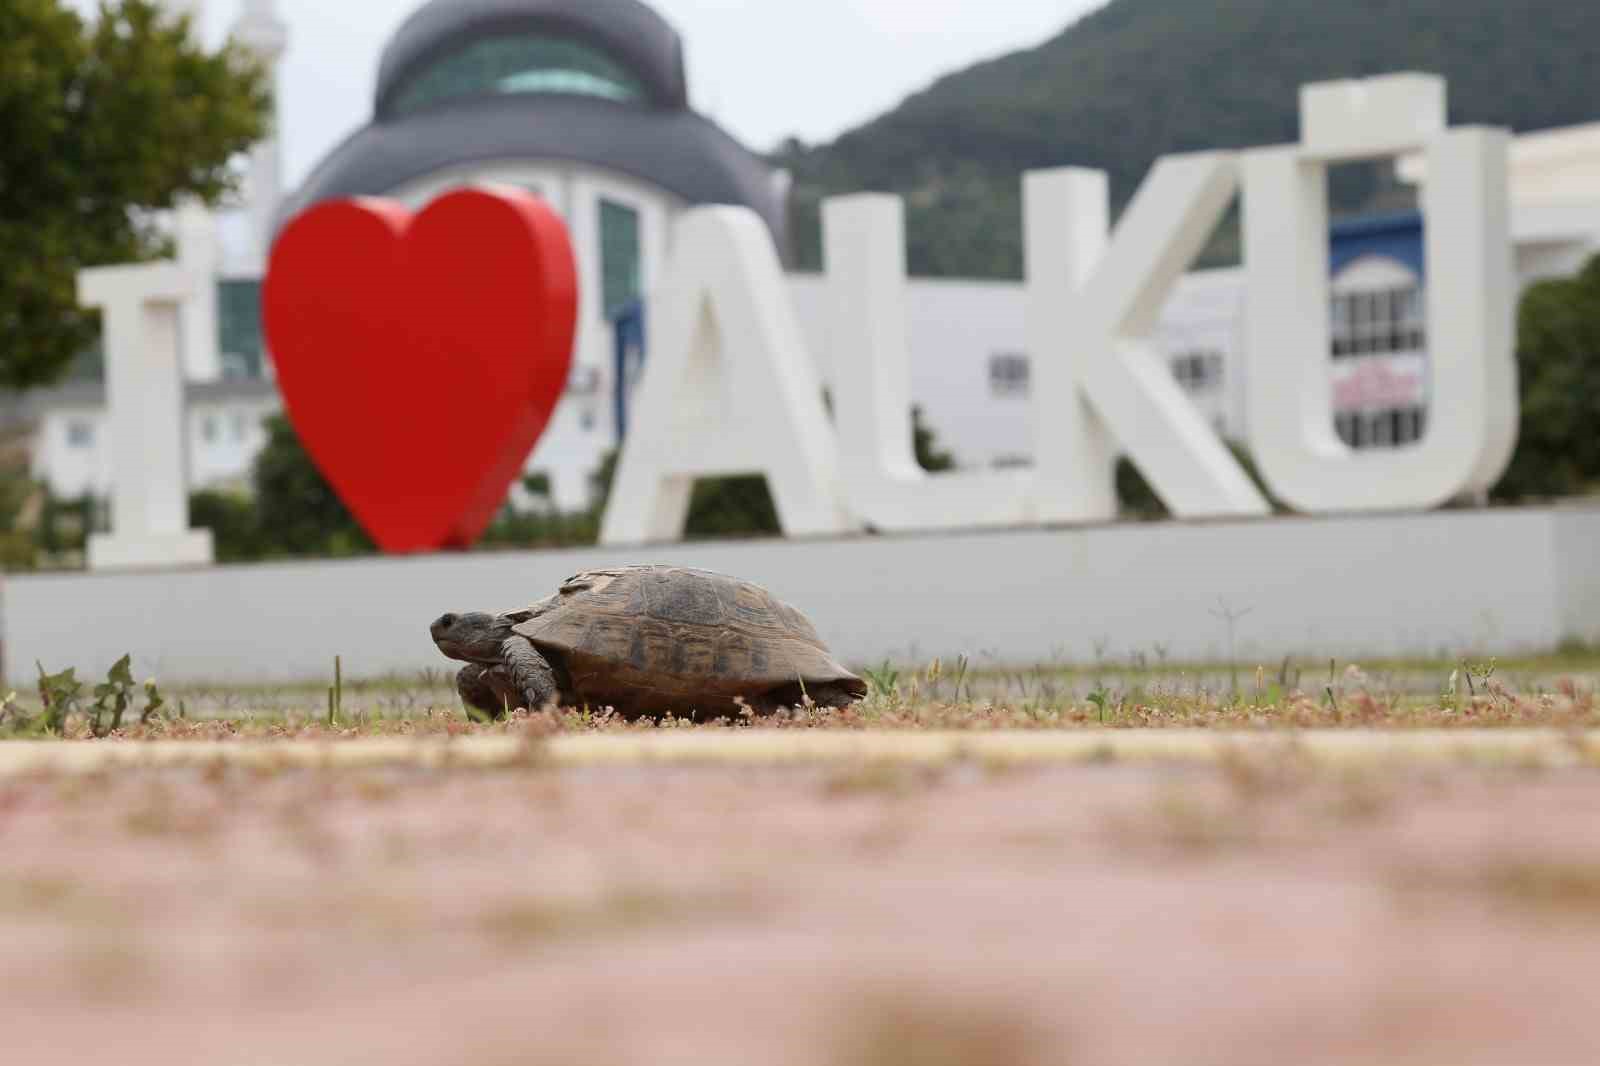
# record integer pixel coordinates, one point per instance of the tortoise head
(472, 638)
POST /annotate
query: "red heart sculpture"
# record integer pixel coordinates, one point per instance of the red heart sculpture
(420, 357)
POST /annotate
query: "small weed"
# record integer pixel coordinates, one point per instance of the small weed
(376, 789)
(1361, 797)
(1099, 698)
(61, 696)
(1178, 822)
(519, 923)
(884, 682)
(891, 1029)
(62, 700)
(1566, 885)
(1254, 778)
(36, 895)
(1527, 884)
(110, 966)
(882, 777)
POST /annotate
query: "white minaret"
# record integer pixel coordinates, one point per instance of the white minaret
(199, 253)
(260, 30)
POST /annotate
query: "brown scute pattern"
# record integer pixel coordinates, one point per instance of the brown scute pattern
(628, 633)
(739, 656)
(652, 643)
(672, 596)
(796, 623)
(605, 637)
(694, 654)
(749, 604)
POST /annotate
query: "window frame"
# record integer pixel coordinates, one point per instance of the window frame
(402, 101)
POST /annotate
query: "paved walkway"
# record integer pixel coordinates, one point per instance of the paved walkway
(1547, 748)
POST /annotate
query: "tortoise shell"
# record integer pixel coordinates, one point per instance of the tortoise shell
(650, 636)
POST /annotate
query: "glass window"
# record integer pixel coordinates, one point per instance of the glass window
(619, 256)
(1009, 374)
(208, 429)
(1412, 422)
(239, 328)
(522, 63)
(1378, 322)
(80, 433)
(1382, 429)
(1345, 426)
(1388, 428)
(1199, 371)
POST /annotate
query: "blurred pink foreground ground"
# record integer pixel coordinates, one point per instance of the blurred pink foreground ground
(845, 917)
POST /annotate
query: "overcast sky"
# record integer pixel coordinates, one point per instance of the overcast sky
(764, 69)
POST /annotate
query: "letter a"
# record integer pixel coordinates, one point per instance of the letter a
(728, 388)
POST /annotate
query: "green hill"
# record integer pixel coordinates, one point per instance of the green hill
(1141, 78)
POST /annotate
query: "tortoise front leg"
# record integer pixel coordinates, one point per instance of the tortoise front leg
(531, 676)
(487, 688)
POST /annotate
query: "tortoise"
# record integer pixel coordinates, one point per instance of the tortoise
(646, 640)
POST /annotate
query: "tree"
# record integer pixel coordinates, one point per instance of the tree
(1139, 502)
(1558, 362)
(1137, 79)
(924, 442)
(101, 125)
(741, 506)
(300, 512)
(294, 511)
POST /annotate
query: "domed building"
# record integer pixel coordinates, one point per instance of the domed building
(583, 102)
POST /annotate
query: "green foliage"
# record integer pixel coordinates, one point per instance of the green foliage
(537, 484)
(718, 507)
(1141, 78)
(234, 522)
(731, 507)
(298, 513)
(1558, 356)
(883, 682)
(18, 492)
(39, 528)
(60, 694)
(1139, 501)
(294, 512)
(924, 443)
(114, 696)
(61, 698)
(101, 124)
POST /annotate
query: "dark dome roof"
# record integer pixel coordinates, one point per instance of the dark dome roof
(629, 31)
(680, 151)
(658, 140)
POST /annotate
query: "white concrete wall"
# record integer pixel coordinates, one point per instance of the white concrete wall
(1497, 582)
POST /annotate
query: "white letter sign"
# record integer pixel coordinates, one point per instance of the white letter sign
(1103, 331)
(865, 249)
(729, 389)
(140, 308)
(1472, 411)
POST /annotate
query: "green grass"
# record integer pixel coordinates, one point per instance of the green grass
(1557, 691)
